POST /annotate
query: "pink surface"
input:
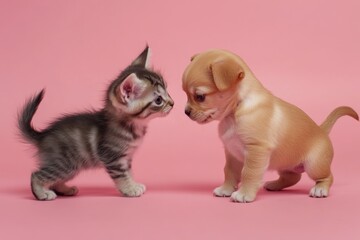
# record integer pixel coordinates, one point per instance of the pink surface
(306, 52)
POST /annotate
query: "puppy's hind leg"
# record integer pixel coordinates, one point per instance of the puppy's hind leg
(318, 169)
(232, 171)
(322, 187)
(286, 179)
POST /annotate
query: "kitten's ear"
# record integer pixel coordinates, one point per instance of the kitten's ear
(143, 59)
(131, 88)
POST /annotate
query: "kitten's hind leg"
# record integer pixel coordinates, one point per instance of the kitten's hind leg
(62, 189)
(39, 188)
(52, 177)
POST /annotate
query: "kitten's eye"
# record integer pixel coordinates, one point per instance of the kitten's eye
(159, 100)
(199, 97)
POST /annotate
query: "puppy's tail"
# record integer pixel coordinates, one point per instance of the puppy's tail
(25, 117)
(335, 115)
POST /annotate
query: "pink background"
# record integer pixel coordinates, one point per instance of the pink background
(306, 52)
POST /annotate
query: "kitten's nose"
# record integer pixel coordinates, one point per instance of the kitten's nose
(170, 101)
(187, 112)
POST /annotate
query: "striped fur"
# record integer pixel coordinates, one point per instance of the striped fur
(106, 138)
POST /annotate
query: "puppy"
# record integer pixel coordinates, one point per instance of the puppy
(259, 130)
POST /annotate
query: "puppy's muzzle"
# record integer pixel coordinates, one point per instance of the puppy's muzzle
(188, 111)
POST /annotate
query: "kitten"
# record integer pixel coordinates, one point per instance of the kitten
(108, 137)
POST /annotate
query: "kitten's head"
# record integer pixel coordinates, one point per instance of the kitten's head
(139, 92)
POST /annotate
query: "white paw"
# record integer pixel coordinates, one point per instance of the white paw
(241, 197)
(319, 192)
(224, 191)
(133, 189)
(47, 195)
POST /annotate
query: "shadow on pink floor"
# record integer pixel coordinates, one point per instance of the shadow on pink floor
(110, 191)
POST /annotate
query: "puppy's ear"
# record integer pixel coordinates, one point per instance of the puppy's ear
(192, 58)
(226, 73)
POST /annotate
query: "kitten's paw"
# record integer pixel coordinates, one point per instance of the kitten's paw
(240, 196)
(72, 191)
(224, 191)
(319, 192)
(46, 195)
(64, 190)
(133, 189)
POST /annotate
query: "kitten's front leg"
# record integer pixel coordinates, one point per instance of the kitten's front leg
(129, 187)
(120, 172)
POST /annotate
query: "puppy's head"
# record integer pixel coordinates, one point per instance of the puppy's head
(210, 82)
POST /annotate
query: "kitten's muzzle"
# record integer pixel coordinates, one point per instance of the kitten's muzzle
(171, 102)
(169, 106)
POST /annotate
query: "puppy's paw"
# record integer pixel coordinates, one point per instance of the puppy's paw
(240, 196)
(319, 192)
(273, 186)
(224, 191)
(133, 189)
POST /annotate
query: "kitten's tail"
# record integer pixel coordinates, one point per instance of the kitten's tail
(335, 115)
(25, 116)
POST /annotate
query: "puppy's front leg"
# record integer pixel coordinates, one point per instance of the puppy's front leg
(232, 171)
(256, 162)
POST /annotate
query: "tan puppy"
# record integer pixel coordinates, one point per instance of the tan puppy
(259, 131)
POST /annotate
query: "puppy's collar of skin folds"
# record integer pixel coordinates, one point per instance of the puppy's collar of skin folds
(229, 110)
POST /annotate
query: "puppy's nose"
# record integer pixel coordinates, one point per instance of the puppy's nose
(187, 112)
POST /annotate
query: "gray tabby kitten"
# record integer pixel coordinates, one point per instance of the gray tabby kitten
(108, 137)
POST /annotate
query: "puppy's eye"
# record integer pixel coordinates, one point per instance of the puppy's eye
(199, 97)
(159, 100)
